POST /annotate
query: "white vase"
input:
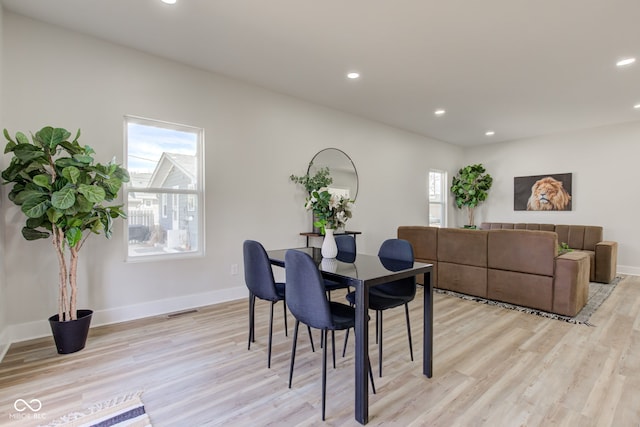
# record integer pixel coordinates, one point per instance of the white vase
(329, 247)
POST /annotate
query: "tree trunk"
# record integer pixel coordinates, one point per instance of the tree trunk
(73, 274)
(58, 243)
(471, 219)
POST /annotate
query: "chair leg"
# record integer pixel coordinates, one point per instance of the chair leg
(377, 321)
(379, 328)
(270, 335)
(293, 350)
(406, 312)
(286, 329)
(346, 338)
(333, 347)
(373, 385)
(324, 373)
(313, 349)
(252, 303)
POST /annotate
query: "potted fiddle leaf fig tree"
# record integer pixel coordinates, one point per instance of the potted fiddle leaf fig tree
(64, 194)
(470, 187)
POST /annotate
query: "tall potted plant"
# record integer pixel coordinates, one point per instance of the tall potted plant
(471, 187)
(62, 193)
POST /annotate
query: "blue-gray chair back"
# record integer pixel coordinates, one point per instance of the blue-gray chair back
(257, 271)
(397, 250)
(305, 291)
(346, 243)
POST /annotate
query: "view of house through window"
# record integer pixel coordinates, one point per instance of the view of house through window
(437, 198)
(164, 196)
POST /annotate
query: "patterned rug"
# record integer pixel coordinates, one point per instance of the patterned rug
(127, 410)
(598, 293)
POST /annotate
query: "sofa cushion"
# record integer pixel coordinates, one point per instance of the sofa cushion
(580, 236)
(423, 239)
(466, 279)
(461, 246)
(530, 290)
(524, 251)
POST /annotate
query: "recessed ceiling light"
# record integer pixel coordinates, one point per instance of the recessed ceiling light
(353, 75)
(489, 133)
(439, 112)
(637, 106)
(169, 1)
(625, 61)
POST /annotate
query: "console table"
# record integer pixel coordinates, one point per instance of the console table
(312, 234)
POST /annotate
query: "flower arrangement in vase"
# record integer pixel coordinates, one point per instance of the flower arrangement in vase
(331, 212)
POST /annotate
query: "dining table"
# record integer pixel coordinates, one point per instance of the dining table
(362, 271)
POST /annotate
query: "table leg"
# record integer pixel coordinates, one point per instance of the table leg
(427, 335)
(362, 355)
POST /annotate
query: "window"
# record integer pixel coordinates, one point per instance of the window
(437, 198)
(165, 197)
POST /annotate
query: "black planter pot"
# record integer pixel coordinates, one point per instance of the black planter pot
(71, 336)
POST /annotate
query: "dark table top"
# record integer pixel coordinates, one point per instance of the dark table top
(352, 268)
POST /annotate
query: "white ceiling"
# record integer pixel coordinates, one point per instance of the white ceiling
(519, 67)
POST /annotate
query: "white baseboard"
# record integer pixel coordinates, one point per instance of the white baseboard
(4, 343)
(40, 328)
(629, 270)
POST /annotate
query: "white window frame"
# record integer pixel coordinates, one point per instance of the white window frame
(168, 194)
(431, 183)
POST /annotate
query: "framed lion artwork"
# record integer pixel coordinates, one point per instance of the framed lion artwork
(542, 192)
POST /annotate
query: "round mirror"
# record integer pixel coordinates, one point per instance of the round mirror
(341, 169)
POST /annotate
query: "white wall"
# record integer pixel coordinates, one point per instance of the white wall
(254, 140)
(4, 336)
(604, 164)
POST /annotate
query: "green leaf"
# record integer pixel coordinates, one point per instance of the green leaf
(27, 152)
(64, 162)
(54, 215)
(64, 198)
(112, 185)
(35, 222)
(73, 236)
(31, 234)
(42, 181)
(7, 136)
(21, 138)
(83, 158)
(23, 196)
(71, 173)
(93, 193)
(51, 137)
(82, 204)
(35, 207)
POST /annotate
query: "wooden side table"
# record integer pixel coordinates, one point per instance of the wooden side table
(312, 234)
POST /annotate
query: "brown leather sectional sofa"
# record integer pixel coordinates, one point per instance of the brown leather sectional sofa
(516, 266)
(603, 255)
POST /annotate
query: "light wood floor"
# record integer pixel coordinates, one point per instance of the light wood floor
(492, 367)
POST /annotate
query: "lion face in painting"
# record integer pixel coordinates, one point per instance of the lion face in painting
(548, 194)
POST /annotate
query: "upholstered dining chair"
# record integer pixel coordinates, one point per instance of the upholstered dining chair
(346, 244)
(307, 301)
(258, 277)
(393, 294)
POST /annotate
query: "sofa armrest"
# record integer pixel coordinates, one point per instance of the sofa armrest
(606, 261)
(570, 283)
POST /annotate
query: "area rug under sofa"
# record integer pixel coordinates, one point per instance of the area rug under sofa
(598, 293)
